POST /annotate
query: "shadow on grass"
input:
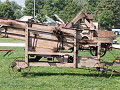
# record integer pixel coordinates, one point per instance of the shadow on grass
(70, 74)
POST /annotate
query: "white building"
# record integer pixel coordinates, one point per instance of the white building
(25, 18)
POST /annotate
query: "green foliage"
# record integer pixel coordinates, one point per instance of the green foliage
(6, 11)
(107, 13)
(17, 9)
(28, 10)
(10, 10)
(66, 8)
(91, 5)
(69, 11)
(106, 18)
(81, 3)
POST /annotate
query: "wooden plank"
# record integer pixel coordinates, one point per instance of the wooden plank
(50, 53)
(26, 45)
(98, 50)
(76, 48)
(105, 34)
(67, 32)
(21, 64)
(79, 16)
(103, 40)
(38, 30)
(88, 61)
(51, 64)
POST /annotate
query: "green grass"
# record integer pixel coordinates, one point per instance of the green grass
(54, 78)
(118, 39)
(9, 40)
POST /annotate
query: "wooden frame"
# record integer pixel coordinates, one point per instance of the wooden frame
(42, 40)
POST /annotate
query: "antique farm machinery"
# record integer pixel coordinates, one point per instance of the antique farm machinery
(60, 45)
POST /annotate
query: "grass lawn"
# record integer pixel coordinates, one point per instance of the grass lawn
(54, 78)
(118, 39)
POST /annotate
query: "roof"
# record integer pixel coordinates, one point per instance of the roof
(25, 18)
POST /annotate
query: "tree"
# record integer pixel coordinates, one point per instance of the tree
(10, 10)
(28, 10)
(69, 11)
(81, 3)
(66, 8)
(91, 5)
(6, 11)
(17, 9)
(106, 18)
(107, 13)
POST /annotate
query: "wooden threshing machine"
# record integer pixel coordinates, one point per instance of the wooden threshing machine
(60, 45)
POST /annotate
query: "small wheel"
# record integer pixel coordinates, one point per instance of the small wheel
(103, 52)
(93, 51)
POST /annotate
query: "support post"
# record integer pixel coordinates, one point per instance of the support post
(99, 48)
(6, 32)
(34, 10)
(75, 57)
(26, 44)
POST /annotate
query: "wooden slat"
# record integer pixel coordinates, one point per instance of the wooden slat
(105, 34)
(49, 53)
(51, 64)
(26, 45)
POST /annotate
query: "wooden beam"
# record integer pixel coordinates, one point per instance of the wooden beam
(51, 64)
(50, 53)
(26, 44)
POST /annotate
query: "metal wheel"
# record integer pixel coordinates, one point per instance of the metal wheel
(103, 52)
(93, 51)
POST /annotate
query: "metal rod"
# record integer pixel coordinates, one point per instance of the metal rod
(34, 9)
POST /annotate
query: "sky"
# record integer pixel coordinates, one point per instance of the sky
(20, 2)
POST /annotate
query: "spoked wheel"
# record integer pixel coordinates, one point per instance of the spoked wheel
(93, 51)
(103, 52)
